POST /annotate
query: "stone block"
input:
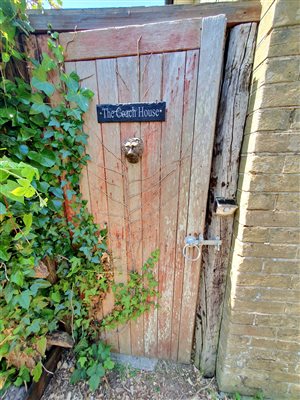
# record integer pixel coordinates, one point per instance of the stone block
(283, 41)
(261, 163)
(292, 308)
(270, 142)
(269, 183)
(276, 70)
(274, 95)
(267, 293)
(282, 235)
(259, 307)
(255, 201)
(247, 264)
(287, 202)
(291, 165)
(251, 234)
(272, 119)
(264, 281)
(286, 13)
(270, 218)
(279, 321)
(288, 334)
(268, 343)
(253, 331)
(285, 267)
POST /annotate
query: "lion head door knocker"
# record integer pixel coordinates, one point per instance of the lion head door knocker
(133, 149)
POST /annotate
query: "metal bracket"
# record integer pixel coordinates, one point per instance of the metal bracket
(193, 241)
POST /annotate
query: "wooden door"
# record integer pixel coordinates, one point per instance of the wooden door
(157, 202)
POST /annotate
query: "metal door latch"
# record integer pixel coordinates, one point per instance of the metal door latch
(193, 241)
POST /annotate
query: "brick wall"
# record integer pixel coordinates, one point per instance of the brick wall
(260, 339)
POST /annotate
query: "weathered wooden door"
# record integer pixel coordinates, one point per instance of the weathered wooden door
(160, 200)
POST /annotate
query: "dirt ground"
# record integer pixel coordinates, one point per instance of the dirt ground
(169, 381)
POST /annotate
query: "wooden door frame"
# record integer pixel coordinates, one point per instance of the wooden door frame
(68, 20)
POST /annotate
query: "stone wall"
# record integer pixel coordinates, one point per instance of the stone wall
(260, 338)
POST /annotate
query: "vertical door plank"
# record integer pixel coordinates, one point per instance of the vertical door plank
(190, 87)
(210, 66)
(150, 90)
(93, 181)
(84, 179)
(173, 83)
(128, 87)
(108, 93)
(95, 171)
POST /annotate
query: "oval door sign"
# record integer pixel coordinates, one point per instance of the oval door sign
(131, 112)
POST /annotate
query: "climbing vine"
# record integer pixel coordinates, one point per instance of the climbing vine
(55, 268)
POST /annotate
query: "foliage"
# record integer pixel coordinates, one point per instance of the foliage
(54, 261)
(93, 360)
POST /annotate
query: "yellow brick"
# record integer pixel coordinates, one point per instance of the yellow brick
(261, 280)
(272, 119)
(247, 264)
(291, 165)
(292, 308)
(270, 218)
(269, 142)
(272, 344)
(274, 95)
(248, 330)
(278, 321)
(276, 70)
(281, 267)
(282, 235)
(267, 294)
(269, 183)
(259, 306)
(282, 41)
(288, 334)
(266, 250)
(251, 234)
(286, 13)
(287, 201)
(294, 390)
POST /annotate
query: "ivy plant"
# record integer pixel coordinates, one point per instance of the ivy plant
(53, 257)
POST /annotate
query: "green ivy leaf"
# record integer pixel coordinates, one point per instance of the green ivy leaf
(37, 372)
(109, 364)
(46, 157)
(18, 278)
(24, 299)
(41, 345)
(39, 284)
(56, 297)
(44, 86)
(2, 209)
(94, 382)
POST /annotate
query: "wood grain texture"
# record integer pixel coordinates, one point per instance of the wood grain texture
(223, 183)
(150, 89)
(108, 92)
(128, 87)
(172, 93)
(211, 54)
(190, 87)
(140, 39)
(82, 19)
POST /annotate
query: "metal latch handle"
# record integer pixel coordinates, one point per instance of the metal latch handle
(194, 242)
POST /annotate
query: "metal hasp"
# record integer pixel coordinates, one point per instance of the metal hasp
(193, 241)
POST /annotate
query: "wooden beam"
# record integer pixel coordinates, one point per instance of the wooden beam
(86, 19)
(223, 183)
(140, 39)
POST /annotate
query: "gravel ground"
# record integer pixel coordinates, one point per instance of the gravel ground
(169, 381)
